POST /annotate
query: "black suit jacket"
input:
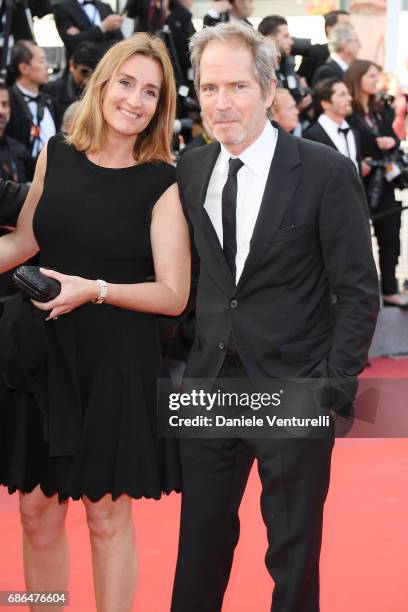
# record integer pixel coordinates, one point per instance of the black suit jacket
(317, 56)
(329, 70)
(316, 133)
(311, 240)
(69, 13)
(12, 197)
(20, 124)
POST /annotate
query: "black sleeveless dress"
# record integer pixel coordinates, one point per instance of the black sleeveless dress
(93, 431)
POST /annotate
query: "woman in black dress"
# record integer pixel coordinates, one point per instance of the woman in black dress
(103, 205)
(378, 140)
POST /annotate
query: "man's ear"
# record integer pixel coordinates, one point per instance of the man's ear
(270, 95)
(23, 68)
(325, 105)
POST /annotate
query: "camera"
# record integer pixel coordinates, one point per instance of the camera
(399, 160)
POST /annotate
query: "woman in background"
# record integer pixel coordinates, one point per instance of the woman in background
(378, 140)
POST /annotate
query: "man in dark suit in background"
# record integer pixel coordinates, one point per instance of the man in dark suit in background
(83, 20)
(319, 53)
(34, 116)
(331, 128)
(344, 46)
(280, 226)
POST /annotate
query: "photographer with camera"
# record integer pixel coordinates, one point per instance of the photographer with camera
(276, 28)
(379, 145)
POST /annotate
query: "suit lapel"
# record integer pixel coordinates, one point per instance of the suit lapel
(206, 238)
(339, 69)
(324, 137)
(282, 182)
(81, 18)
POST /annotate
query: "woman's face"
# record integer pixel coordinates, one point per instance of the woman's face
(369, 81)
(131, 97)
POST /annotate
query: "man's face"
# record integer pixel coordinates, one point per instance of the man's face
(80, 73)
(283, 40)
(244, 8)
(4, 109)
(36, 70)
(231, 100)
(353, 46)
(340, 103)
(286, 113)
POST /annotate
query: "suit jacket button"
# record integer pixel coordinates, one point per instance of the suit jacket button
(233, 304)
(221, 346)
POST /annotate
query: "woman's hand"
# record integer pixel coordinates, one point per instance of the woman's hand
(75, 291)
(386, 142)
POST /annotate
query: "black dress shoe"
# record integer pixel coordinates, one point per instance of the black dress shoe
(387, 303)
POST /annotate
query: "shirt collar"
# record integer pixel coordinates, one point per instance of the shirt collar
(340, 61)
(257, 157)
(328, 123)
(27, 92)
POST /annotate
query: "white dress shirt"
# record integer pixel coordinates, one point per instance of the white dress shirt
(332, 130)
(92, 12)
(47, 125)
(251, 181)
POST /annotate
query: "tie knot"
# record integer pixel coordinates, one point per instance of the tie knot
(234, 165)
(344, 131)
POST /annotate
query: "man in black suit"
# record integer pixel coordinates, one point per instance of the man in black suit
(223, 11)
(331, 128)
(34, 116)
(344, 46)
(87, 20)
(319, 53)
(280, 227)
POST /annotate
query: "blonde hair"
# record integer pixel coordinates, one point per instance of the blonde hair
(90, 128)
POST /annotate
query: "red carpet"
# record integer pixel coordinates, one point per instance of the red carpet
(364, 563)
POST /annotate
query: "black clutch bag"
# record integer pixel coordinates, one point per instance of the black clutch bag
(36, 285)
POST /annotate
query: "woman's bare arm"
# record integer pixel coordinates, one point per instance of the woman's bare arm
(168, 295)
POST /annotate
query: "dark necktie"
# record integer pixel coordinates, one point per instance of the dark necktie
(89, 2)
(345, 131)
(229, 213)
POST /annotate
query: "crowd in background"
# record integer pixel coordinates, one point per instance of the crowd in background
(331, 96)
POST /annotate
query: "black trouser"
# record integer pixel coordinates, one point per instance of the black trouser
(387, 232)
(295, 479)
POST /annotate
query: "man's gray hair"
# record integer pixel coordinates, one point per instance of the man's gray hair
(340, 35)
(264, 52)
